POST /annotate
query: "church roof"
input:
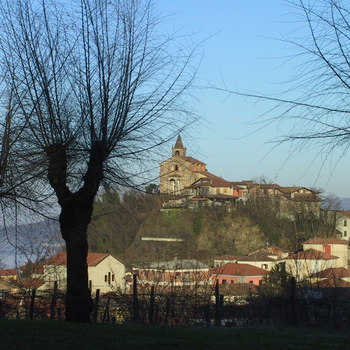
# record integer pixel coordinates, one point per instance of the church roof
(179, 143)
(191, 159)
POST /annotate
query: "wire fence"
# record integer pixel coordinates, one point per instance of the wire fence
(295, 308)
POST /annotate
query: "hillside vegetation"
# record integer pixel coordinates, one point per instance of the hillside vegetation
(120, 221)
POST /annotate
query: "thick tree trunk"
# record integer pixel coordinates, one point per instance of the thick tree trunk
(74, 219)
(76, 211)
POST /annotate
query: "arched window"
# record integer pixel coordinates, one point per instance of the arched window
(172, 185)
(177, 153)
(176, 167)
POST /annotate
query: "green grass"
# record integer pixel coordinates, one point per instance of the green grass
(59, 335)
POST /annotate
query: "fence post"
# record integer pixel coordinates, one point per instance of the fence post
(106, 312)
(53, 301)
(207, 315)
(32, 300)
(95, 312)
(293, 300)
(151, 306)
(218, 302)
(135, 300)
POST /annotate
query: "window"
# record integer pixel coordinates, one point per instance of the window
(251, 282)
(223, 282)
(109, 278)
(186, 277)
(327, 248)
(345, 233)
(177, 153)
(264, 266)
(176, 167)
(105, 278)
(113, 278)
(90, 285)
(345, 223)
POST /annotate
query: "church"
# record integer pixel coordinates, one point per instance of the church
(182, 175)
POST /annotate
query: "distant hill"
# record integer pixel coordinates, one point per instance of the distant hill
(30, 241)
(337, 203)
(345, 203)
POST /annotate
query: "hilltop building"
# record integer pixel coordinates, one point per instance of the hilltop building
(188, 181)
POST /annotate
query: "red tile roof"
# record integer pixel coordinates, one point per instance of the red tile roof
(331, 283)
(335, 272)
(30, 282)
(344, 212)
(312, 254)
(319, 240)
(238, 289)
(191, 160)
(8, 272)
(235, 269)
(61, 259)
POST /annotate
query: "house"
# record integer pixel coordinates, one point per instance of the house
(265, 258)
(304, 263)
(237, 273)
(173, 274)
(343, 223)
(331, 246)
(11, 274)
(333, 283)
(331, 274)
(106, 273)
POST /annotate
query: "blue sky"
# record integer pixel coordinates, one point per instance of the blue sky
(244, 50)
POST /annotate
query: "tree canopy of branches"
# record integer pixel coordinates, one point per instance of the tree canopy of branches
(96, 87)
(320, 115)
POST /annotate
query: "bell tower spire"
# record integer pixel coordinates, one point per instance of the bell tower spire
(179, 149)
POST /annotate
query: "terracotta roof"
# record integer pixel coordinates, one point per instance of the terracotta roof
(335, 272)
(30, 282)
(305, 197)
(235, 269)
(268, 186)
(344, 212)
(8, 272)
(272, 250)
(61, 259)
(191, 160)
(238, 289)
(331, 283)
(292, 189)
(211, 180)
(179, 143)
(320, 240)
(312, 254)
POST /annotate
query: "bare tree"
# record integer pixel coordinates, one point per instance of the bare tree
(321, 114)
(98, 88)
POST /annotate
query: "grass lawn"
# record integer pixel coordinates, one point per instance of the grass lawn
(59, 335)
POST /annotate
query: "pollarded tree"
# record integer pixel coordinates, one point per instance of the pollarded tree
(98, 88)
